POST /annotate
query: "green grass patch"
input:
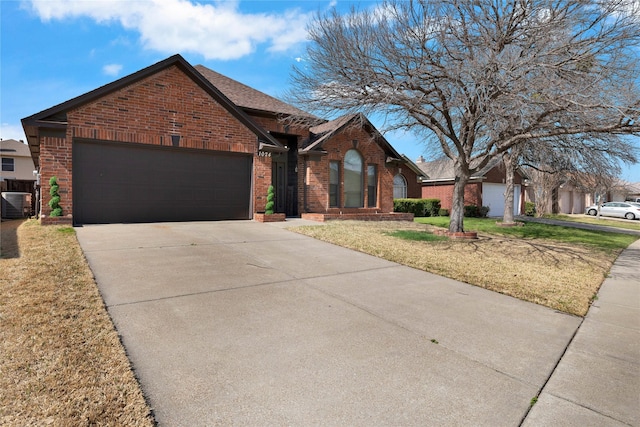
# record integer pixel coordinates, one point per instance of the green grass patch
(530, 230)
(420, 236)
(609, 222)
(66, 230)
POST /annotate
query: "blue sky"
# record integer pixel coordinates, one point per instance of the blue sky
(51, 51)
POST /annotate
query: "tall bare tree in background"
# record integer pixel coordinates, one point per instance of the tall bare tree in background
(476, 78)
(591, 162)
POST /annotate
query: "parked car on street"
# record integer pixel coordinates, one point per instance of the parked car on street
(626, 210)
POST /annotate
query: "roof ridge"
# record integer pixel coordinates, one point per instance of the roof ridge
(248, 97)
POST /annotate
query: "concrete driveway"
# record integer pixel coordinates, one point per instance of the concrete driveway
(244, 323)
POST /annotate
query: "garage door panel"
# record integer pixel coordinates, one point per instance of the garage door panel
(115, 182)
(493, 197)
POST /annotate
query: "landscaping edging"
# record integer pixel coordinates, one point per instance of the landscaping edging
(390, 216)
(56, 220)
(457, 235)
(462, 235)
(275, 217)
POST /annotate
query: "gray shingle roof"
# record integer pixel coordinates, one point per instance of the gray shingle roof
(247, 97)
(443, 168)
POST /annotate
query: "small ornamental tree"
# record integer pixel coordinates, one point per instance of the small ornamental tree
(268, 209)
(54, 202)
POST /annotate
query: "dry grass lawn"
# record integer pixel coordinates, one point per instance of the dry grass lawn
(61, 362)
(562, 276)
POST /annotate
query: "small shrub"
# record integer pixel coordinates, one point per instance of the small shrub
(268, 209)
(529, 208)
(418, 207)
(443, 212)
(54, 202)
(432, 207)
(414, 206)
(473, 211)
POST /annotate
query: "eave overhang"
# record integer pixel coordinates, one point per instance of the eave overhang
(271, 148)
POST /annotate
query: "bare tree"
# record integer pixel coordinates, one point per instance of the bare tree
(476, 78)
(591, 162)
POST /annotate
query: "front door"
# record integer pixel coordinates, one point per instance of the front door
(284, 177)
(279, 182)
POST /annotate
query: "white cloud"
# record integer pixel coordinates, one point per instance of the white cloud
(12, 131)
(218, 30)
(112, 69)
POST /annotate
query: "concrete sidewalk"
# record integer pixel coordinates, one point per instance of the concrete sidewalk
(597, 382)
(243, 323)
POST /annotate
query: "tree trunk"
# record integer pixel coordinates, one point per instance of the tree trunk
(456, 220)
(507, 159)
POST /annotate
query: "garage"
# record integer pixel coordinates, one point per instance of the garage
(493, 197)
(124, 182)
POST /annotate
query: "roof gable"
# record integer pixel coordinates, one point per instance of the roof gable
(55, 117)
(13, 148)
(323, 132)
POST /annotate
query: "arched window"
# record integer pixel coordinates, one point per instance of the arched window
(353, 194)
(399, 187)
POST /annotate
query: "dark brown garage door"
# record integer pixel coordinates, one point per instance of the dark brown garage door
(117, 182)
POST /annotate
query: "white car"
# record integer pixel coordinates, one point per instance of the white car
(626, 210)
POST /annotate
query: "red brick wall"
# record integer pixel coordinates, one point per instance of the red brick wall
(497, 175)
(444, 192)
(55, 160)
(317, 175)
(414, 188)
(261, 181)
(149, 112)
(167, 103)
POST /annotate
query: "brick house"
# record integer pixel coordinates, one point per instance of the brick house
(486, 188)
(16, 171)
(173, 142)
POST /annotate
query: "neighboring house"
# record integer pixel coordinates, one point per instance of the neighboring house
(571, 199)
(624, 191)
(573, 192)
(558, 192)
(633, 192)
(17, 165)
(173, 142)
(16, 170)
(486, 188)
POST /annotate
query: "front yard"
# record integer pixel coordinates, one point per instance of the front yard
(561, 268)
(63, 364)
(61, 361)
